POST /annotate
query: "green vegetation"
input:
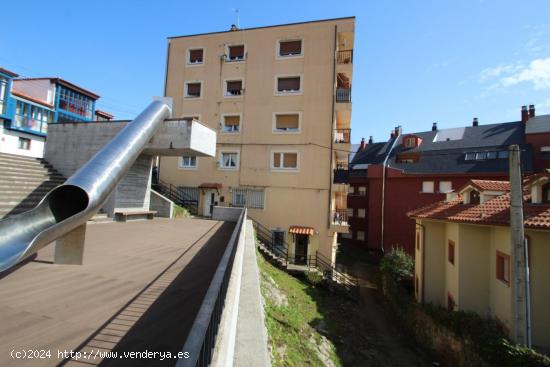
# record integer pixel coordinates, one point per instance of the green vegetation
(478, 334)
(180, 212)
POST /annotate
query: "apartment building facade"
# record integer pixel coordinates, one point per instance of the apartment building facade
(280, 99)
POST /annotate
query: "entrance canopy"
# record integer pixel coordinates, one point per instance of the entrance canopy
(301, 230)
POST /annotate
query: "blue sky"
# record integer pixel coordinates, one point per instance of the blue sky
(415, 62)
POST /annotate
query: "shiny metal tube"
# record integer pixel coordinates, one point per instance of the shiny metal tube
(82, 195)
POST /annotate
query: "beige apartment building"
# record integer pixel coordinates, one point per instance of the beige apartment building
(280, 99)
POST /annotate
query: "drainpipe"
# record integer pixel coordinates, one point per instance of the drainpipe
(423, 249)
(331, 172)
(384, 165)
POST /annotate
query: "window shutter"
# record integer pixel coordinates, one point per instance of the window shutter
(195, 55)
(236, 52)
(287, 121)
(232, 120)
(290, 160)
(292, 83)
(276, 159)
(234, 86)
(194, 89)
(290, 48)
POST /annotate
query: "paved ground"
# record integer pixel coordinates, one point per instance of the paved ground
(139, 289)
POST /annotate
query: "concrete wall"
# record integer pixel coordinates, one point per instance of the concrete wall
(226, 214)
(434, 243)
(163, 206)
(500, 293)
(9, 143)
(297, 197)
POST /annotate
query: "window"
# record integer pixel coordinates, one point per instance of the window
(193, 90)
(188, 162)
(285, 160)
(451, 304)
(418, 240)
(445, 186)
(503, 267)
(503, 154)
(362, 190)
(350, 212)
(287, 122)
(233, 88)
(474, 197)
(290, 48)
(288, 84)
(24, 143)
(235, 53)
(492, 155)
(251, 198)
(3, 94)
(469, 156)
(410, 142)
(196, 56)
(428, 186)
(451, 252)
(545, 152)
(351, 190)
(229, 160)
(481, 156)
(231, 123)
(278, 238)
(348, 235)
(360, 235)
(546, 193)
(361, 213)
(189, 193)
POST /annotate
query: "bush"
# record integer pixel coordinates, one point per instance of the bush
(314, 277)
(398, 265)
(180, 212)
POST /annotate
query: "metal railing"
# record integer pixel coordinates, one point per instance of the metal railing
(345, 57)
(201, 340)
(342, 136)
(333, 277)
(265, 237)
(340, 217)
(343, 95)
(341, 176)
(177, 196)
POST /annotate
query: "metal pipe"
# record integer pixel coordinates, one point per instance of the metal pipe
(70, 205)
(384, 192)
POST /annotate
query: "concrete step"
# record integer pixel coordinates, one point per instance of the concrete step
(27, 184)
(22, 168)
(19, 197)
(13, 176)
(19, 157)
(29, 189)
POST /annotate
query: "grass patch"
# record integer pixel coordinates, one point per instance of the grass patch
(309, 326)
(180, 212)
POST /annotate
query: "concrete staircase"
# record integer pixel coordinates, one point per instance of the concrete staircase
(24, 181)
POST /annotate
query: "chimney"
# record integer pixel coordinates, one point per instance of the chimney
(234, 28)
(362, 147)
(397, 130)
(531, 110)
(475, 122)
(370, 140)
(524, 114)
(434, 126)
(392, 134)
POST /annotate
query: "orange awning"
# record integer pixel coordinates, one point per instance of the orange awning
(301, 230)
(210, 185)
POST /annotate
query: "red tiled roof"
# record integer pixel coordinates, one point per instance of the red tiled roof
(210, 185)
(495, 211)
(488, 185)
(301, 230)
(10, 73)
(32, 99)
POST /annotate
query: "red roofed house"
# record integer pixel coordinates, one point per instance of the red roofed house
(463, 248)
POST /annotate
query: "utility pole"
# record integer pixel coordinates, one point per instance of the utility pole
(521, 323)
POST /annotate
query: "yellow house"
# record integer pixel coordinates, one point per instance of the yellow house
(280, 99)
(463, 248)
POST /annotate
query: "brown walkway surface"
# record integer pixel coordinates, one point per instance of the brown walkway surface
(139, 289)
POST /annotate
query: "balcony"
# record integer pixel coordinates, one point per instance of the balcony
(344, 57)
(343, 95)
(341, 176)
(339, 220)
(342, 136)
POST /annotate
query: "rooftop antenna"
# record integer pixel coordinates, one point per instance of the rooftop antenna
(238, 17)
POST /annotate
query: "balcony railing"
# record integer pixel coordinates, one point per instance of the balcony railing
(341, 176)
(342, 136)
(345, 57)
(343, 95)
(340, 217)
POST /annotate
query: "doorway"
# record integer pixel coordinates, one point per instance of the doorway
(300, 248)
(210, 199)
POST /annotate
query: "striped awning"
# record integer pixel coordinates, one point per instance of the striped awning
(301, 230)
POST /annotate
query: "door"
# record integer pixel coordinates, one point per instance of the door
(210, 199)
(300, 249)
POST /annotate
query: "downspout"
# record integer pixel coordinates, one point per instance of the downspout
(527, 294)
(423, 250)
(331, 152)
(384, 192)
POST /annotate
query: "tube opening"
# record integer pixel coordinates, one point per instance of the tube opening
(66, 201)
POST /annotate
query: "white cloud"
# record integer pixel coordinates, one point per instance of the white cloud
(499, 70)
(538, 73)
(543, 107)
